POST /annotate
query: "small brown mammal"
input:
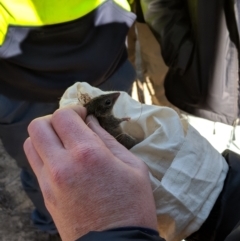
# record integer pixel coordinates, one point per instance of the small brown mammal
(101, 107)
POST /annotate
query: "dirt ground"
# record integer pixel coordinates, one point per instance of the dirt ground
(15, 207)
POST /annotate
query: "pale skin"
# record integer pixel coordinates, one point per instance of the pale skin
(89, 181)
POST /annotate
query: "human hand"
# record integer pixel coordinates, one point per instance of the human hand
(89, 181)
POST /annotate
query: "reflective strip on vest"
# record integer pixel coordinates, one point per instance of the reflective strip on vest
(45, 12)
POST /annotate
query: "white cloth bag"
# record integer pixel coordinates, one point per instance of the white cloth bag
(186, 172)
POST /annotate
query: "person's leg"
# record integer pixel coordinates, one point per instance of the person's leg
(235, 234)
(222, 224)
(15, 116)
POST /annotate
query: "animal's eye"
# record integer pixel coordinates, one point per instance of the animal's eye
(108, 102)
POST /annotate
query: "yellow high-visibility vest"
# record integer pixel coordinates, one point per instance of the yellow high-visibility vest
(31, 13)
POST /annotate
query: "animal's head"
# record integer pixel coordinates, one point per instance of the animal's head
(102, 105)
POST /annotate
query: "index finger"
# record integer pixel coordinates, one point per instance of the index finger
(69, 124)
(34, 159)
(44, 138)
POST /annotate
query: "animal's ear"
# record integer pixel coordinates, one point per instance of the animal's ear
(112, 98)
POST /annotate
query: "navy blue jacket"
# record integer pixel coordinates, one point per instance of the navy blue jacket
(123, 234)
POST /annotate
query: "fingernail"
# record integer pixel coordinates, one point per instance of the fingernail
(92, 119)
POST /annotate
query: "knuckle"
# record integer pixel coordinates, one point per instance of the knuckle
(59, 112)
(62, 119)
(59, 115)
(57, 175)
(62, 112)
(48, 194)
(34, 125)
(86, 152)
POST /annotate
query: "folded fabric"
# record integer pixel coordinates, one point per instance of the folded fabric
(186, 172)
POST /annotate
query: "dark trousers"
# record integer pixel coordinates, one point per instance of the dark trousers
(223, 222)
(15, 116)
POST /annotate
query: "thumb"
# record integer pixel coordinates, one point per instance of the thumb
(112, 144)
